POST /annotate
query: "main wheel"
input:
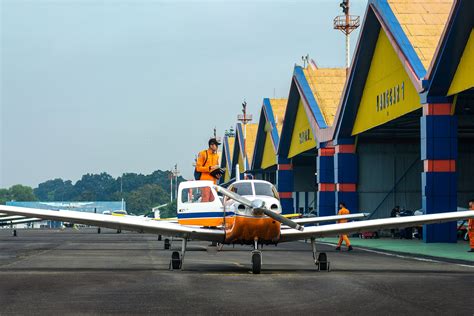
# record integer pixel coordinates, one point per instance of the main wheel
(167, 244)
(98, 230)
(256, 262)
(323, 261)
(175, 260)
(159, 237)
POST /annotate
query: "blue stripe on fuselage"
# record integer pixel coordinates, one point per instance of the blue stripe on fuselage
(204, 215)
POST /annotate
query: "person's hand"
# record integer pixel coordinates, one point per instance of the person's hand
(214, 167)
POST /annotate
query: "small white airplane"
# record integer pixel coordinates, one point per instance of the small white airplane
(248, 212)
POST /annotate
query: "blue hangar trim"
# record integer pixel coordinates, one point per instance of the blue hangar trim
(399, 35)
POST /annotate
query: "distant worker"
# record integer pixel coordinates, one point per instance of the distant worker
(343, 211)
(207, 167)
(470, 227)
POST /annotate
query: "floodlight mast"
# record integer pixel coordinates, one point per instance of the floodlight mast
(346, 24)
(245, 119)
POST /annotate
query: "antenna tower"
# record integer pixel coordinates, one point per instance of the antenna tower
(346, 24)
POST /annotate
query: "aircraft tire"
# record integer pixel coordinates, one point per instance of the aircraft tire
(323, 264)
(256, 262)
(175, 260)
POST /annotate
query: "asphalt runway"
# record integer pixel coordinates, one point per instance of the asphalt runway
(81, 272)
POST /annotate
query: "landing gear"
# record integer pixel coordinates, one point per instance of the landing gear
(167, 244)
(322, 261)
(256, 259)
(98, 230)
(159, 237)
(14, 233)
(177, 259)
(119, 231)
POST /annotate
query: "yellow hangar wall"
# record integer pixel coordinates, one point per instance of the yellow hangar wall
(388, 93)
(464, 77)
(269, 155)
(302, 138)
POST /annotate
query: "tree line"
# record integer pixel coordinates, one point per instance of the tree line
(141, 192)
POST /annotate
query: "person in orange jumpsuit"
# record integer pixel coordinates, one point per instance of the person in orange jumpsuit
(343, 211)
(470, 227)
(208, 161)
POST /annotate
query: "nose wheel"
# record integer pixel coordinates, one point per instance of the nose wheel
(256, 259)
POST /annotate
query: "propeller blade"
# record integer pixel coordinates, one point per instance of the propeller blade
(234, 196)
(282, 219)
(258, 205)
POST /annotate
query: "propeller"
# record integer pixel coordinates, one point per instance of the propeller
(258, 207)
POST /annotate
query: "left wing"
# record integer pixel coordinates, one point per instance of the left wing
(132, 223)
(374, 224)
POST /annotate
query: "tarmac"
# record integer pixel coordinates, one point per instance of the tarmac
(80, 272)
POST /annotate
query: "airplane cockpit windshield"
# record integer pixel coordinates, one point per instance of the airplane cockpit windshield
(261, 188)
(265, 189)
(242, 188)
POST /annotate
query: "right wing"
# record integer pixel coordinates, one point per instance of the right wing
(133, 223)
(371, 225)
(310, 220)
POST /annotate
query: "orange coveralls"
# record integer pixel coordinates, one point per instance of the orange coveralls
(343, 211)
(204, 167)
(470, 231)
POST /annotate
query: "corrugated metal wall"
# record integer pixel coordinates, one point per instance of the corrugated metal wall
(381, 167)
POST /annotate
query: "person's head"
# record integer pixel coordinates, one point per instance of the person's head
(342, 205)
(213, 144)
(471, 204)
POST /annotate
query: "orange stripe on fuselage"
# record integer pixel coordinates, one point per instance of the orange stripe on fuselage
(245, 229)
(217, 221)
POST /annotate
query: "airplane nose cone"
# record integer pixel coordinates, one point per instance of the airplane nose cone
(258, 204)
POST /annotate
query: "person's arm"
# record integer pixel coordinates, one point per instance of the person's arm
(200, 163)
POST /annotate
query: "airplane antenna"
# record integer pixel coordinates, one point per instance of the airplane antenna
(346, 24)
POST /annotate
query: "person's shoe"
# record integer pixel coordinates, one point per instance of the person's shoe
(471, 250)
(349, 248)
(338, 248)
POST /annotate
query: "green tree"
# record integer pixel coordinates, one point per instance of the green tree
(145, 198)
(22, 193)
(4, 196)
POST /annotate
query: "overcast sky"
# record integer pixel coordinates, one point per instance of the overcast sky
(139, 85)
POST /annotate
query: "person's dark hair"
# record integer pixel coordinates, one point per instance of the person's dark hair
(471, 201)
(213, 141)
(342, 204)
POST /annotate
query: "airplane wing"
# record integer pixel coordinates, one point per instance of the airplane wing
(312, 220)
(132, 223)
(20, 221)
(370, 225)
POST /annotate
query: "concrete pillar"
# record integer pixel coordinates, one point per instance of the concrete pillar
(325, 180)
(346, 174)
(285, 184)
(439, 150)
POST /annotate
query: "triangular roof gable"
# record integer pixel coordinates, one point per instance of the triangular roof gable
(267, 119)
(226, 159)
(299, 89)
(379, 17)
(450, 49)
(238, 144)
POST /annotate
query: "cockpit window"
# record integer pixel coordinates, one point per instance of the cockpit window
(242, 188)
(264, 189)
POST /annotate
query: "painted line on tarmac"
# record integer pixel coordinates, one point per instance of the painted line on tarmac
(403, 256)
